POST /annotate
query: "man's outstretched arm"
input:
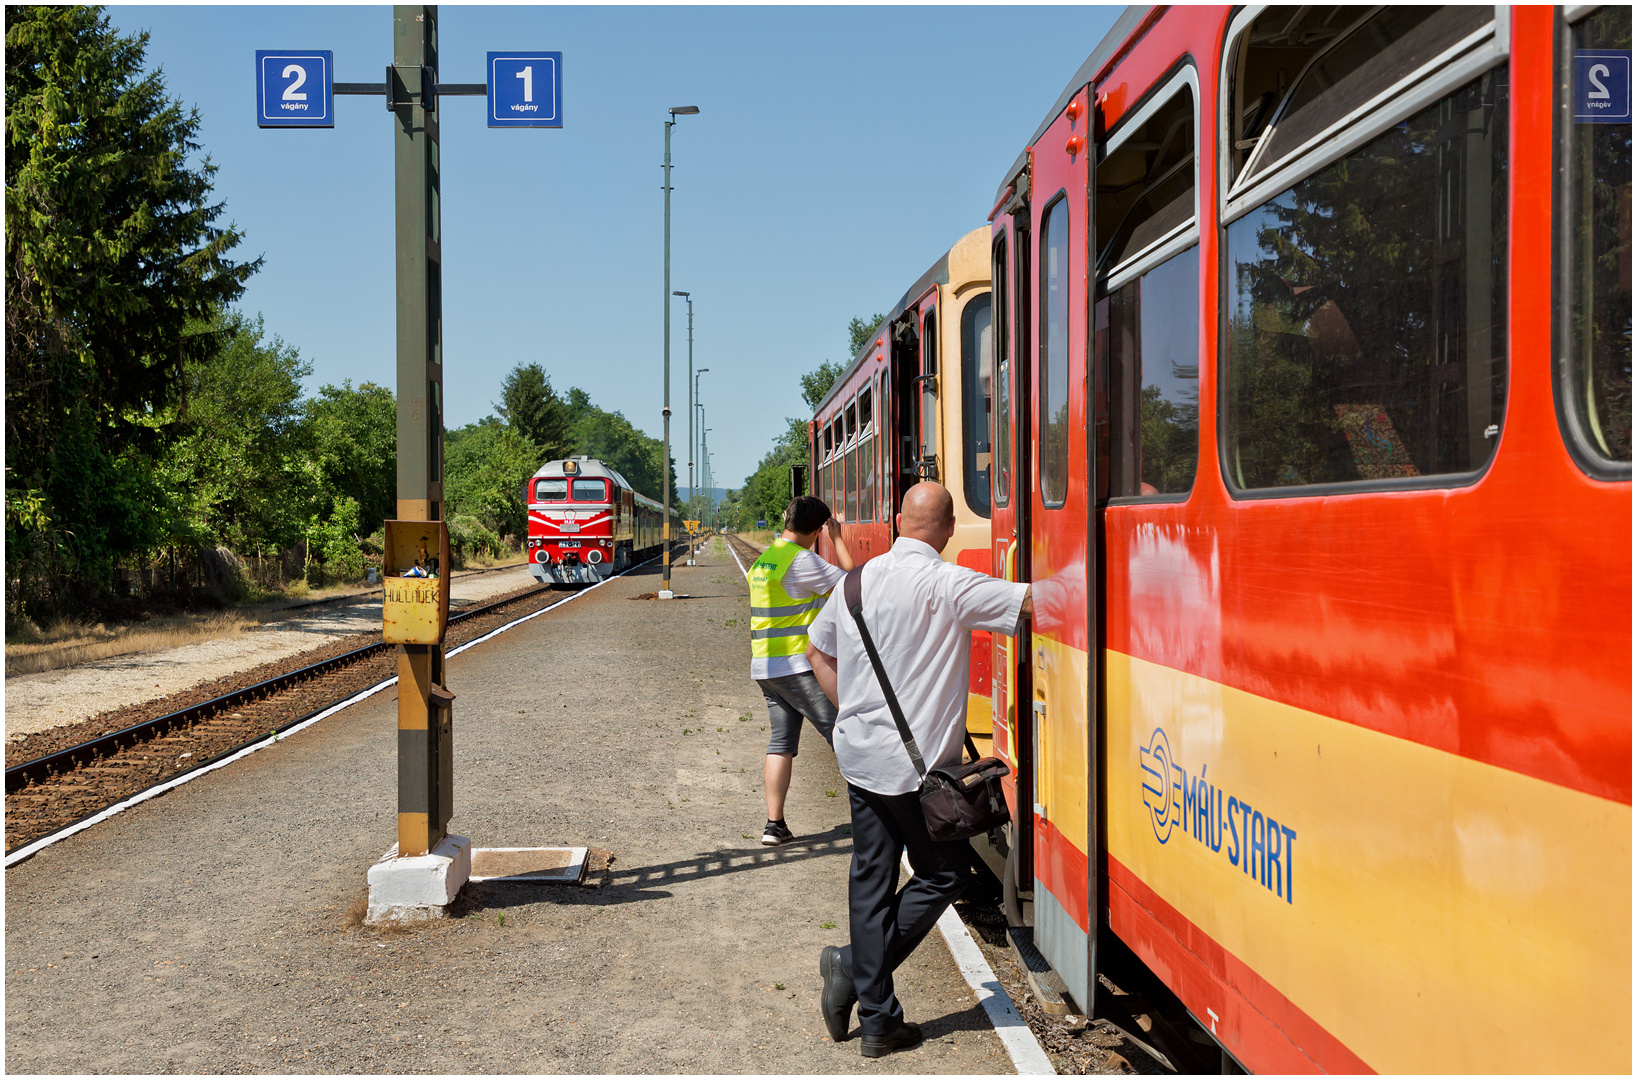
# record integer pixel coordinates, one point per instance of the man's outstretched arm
(824, 670)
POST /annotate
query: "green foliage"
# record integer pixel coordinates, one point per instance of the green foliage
(530, 407)
(816, 383)
(238, 469)
(767, 490)
(112, 250)
(484, 468)
(354, 438)
(469, 538)
(334, 553)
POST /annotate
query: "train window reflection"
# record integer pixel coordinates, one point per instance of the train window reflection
(1148, 338)
(1366, 325)
(929, 387)
(1054, 355)
(1145, 186)
(1598, 285)
(975, 331)
(551, 491)
(1001, 339)
(590, 491)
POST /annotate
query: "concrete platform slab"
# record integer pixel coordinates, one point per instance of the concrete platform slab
(523, 865)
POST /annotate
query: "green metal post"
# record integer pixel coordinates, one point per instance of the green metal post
(424, 801)
(665, 460)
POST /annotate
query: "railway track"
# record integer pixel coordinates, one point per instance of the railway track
(56, 791)
(743, 550)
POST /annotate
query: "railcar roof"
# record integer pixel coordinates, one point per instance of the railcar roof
(1123, 27)
(588, 466)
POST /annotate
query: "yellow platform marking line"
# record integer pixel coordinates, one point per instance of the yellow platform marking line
(1433, 903)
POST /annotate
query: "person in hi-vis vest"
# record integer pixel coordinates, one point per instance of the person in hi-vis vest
(788, 585)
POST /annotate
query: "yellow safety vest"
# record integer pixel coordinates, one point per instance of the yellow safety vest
(778, 623)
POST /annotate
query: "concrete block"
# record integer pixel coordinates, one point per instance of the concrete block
(418, 887)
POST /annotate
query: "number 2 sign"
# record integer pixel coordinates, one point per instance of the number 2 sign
(526, 89)
(1602, 86)
(295, 89)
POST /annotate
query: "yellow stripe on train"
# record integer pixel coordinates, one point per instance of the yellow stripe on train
(1434, 913)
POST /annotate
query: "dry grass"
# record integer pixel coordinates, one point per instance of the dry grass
(761, 538)
(68, 643)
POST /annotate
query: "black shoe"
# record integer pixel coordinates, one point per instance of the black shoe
(907, 1037)
(836, 1002)
(776, 833)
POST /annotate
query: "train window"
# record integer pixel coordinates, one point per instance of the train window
(1145, 182)
(866, 455)
(1054, 355)
(1366, 328)
(1303, 73)
(975, 331)
(1001, 342)
(590, 491)
(885, 426)
(1594, 380)
(852, 484)
(1148, 345)
(852, 421)
(554, 490)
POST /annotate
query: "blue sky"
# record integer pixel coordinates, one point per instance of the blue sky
(838, 152)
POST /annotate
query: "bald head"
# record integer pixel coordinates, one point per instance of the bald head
(928, 514)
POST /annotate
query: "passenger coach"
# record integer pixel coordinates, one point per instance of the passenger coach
(914, 405)
(1312, 375)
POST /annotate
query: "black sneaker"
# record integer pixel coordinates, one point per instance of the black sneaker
(776, 833)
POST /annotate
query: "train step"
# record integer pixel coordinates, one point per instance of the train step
(1043, 982)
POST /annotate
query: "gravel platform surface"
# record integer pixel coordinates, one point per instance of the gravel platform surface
(214, 929)
(49, 699)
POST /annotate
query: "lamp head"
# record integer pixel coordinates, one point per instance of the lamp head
(678, 292)
(684, 110)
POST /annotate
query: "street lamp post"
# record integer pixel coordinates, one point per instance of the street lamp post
(693, 493)
(695, 444)
(705, 456)
(665, 462)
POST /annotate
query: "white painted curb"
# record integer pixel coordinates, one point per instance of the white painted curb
(159, 789)
(1021, 1045)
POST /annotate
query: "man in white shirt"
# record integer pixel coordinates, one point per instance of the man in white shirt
(788, 583)
(921, 612)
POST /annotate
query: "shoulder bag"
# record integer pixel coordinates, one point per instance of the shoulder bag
(958, 801)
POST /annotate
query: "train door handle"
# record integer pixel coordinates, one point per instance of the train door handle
(1039, 760)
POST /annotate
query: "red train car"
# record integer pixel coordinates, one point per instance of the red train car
(587, 523)
(914, 404)
(1312, 375)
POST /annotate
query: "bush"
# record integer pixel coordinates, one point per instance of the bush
(334, 552)
(470, 539)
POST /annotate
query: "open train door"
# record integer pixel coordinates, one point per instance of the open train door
(904, 332)
(1062, 535)
(1009, 512)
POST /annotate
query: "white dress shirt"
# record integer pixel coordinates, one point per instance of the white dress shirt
(808, 575)
(921, 612)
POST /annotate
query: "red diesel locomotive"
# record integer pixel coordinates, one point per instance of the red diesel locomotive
(1311, 397)
(586, 523)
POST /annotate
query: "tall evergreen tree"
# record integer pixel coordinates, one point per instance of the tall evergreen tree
(530, 407)
(112, 248)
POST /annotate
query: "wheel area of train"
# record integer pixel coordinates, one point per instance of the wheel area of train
(216, 929)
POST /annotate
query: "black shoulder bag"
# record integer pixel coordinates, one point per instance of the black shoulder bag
(958, 801)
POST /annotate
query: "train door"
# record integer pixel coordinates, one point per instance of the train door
(926, 390)
(1008, 511)
(906, 367)
(1061, 541)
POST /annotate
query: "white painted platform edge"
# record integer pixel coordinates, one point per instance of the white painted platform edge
(1020, 1043)
(159, 789)
(735, 555)
(572, 872)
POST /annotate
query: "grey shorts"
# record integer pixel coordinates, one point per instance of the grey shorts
(789, 698)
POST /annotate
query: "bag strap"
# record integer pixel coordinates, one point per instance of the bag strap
(852, 590)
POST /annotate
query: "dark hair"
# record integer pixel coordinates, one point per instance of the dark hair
(806, 514)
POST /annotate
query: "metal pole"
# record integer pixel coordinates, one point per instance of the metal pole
(424, 798)
(665, 458)
(692, 494)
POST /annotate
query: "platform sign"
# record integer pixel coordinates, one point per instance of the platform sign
(525, 89)
(295, 88)
(691, 526)
(1602, 86)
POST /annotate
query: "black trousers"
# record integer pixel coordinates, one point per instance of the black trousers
(886, 922)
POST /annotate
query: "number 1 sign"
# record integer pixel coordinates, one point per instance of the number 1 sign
(526, 89)
(295, 89)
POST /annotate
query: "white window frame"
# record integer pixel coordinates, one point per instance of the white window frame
(1184, 235)
(1457, 65)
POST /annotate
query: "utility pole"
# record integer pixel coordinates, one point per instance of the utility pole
(665, 463)
(424, 776)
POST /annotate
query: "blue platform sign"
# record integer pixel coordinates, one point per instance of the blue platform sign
(295, 88)
(525, 89)
(1602, 86)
